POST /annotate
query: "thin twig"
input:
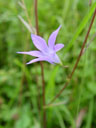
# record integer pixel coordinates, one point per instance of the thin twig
(43, 85)
(21, 5)
(26, 13)
(54, 105)
(89, 43)
(31, 30)
(42, 68)
(78, 59)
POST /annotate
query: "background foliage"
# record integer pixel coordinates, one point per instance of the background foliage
(20, 86)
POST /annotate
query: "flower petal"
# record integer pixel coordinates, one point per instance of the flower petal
(56, 59)
(34, 60)
(39, 43)
(52, 38)
(58, 47)
(40, 59)
(32, 53)
(48, 60)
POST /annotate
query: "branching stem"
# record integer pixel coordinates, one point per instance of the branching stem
(78, 59)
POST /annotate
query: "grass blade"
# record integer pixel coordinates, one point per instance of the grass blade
(81, 27)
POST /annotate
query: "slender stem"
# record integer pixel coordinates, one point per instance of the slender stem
(42, 68)
(43, 88)
(55, 104)
(36, 17)
(78, 59)
(90, 2)
(26, 13)
(89, 43)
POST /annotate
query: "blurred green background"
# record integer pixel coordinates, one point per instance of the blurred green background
(21, 85)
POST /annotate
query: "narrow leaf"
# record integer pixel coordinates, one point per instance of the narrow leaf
(90, 113)
(81, 27)
(21, 5)
(32, 30)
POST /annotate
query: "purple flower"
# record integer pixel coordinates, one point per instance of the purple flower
(46, 52)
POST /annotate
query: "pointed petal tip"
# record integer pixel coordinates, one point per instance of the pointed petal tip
(58, 47)
(18, 52)
(21, 52)
(63, 45)
(27, 63)
(32, 35)
(60, 26)
(52, 38)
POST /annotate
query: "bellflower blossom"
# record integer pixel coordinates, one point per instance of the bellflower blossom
(45, 52)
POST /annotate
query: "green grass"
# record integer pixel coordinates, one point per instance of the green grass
(21, 86)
